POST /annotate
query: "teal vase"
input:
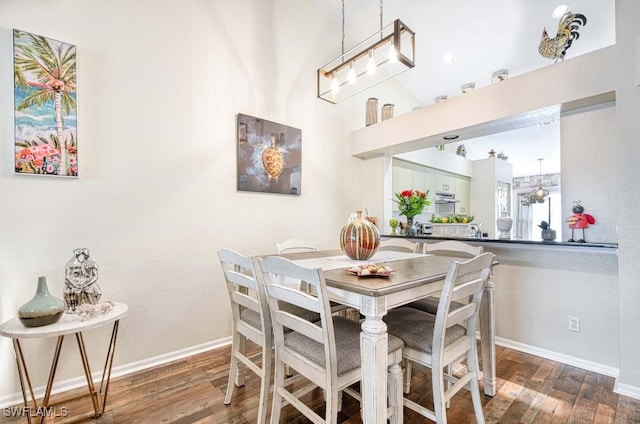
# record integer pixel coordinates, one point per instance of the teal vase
(42, 309)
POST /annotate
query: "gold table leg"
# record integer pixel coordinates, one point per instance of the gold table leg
(23, 374)
(98, 398)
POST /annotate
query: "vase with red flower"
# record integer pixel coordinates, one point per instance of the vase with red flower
(411, 203)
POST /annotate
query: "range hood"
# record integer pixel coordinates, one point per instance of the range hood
(442, 198)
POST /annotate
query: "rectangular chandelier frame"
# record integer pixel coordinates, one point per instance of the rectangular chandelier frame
(383, 55)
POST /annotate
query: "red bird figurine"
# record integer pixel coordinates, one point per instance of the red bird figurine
(579, 220)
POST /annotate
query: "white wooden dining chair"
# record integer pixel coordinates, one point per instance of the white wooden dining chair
(453, 248)
(326, 353)
(430, 304)
(445, 248)
(250, 320)
(295, 245)
(438, 341)
(399, 245)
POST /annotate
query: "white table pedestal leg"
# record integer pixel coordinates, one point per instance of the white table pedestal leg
(488, 338)
(373, 348)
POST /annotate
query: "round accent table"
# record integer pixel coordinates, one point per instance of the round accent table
(69, 324)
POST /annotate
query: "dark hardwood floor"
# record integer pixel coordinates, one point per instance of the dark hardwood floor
(530, 390)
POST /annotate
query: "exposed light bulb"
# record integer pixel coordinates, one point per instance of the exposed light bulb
(393, 54)
(351, 77)
(335, 87)
(560, 11)
(371, 64)
(449, 58)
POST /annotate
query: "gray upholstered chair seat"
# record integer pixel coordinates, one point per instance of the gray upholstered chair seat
(430, 305)
(253, 318)
(415, 328)
(347, 334)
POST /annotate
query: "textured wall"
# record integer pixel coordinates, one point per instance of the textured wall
(628, 158)
(160, 83)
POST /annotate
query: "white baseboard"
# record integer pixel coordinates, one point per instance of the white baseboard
(627, 390)
(76, 382)
(560, 357)
(619, 388)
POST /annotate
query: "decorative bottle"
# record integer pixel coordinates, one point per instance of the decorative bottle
(411, 227)
(359, 239)
(42, 309)
(504, 223)
(372, 111)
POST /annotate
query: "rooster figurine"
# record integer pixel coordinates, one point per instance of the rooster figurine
(556, 48)
(579, 220)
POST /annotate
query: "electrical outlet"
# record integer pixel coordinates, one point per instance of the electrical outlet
(574, 324)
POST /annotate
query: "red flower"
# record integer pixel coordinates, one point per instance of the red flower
(411, 202)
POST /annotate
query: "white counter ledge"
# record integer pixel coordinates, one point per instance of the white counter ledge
(600, 258)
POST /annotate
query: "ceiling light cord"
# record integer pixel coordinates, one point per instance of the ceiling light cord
(381, 12)
(343, 30)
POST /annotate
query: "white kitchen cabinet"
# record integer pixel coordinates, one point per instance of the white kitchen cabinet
(418, 178)
(430, 184)
(463, 189)
(445, 182)
(402, 177)
(411, 176)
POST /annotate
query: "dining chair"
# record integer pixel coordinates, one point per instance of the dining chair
(438, 341)
(326, 353)
(400, 245)
(250, 320)
(295, 245)
(445, 248)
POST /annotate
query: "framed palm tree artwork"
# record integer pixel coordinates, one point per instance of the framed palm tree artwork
(45, 106)
(269, 156)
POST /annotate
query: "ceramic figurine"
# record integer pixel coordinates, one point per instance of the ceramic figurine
(80, 279)
(579, 220)
(556, 47)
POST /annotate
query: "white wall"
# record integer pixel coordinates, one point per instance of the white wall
(627, 160)
(538, 289)
(160, 83)
(588, 157)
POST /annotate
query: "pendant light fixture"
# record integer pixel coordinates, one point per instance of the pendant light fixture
(538, 195)
(383, 55)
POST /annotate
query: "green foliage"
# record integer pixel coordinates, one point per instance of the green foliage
(412, 202)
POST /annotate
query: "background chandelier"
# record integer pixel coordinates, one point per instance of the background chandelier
(383, 55)
(538, 195)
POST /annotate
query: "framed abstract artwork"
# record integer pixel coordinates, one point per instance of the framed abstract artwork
(44, 106)
(269, 156)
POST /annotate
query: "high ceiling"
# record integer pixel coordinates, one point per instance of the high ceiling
(483, 36)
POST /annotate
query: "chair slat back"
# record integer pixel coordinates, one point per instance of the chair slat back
(275, 270)
(399, 245)
(295, 245)
(244, 292)
(453, 248)
(464, 280)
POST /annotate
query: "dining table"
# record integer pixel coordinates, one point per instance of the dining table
(414, 276)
